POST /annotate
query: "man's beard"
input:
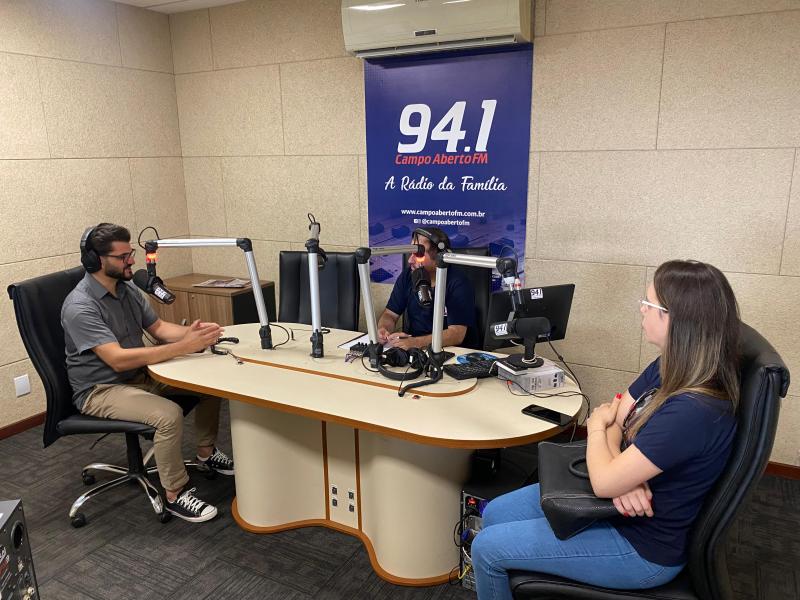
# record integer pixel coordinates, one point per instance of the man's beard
(120, 274)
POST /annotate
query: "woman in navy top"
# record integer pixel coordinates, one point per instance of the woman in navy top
(656, 450)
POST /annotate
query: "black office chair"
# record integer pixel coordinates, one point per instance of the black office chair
(338, 289)
(481, 280)
(37, 307)
(765, 380)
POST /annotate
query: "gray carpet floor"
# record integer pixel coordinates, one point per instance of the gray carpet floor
(124, 552)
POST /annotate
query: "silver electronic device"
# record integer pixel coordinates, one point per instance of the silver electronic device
(533, 380)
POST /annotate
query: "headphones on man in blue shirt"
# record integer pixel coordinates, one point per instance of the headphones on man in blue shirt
(441, 243)
(90, 259)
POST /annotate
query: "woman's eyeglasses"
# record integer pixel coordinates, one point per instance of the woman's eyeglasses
(648, 304)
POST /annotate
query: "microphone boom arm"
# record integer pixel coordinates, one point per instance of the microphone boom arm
(506, 266)
(152, 246)
(363, 255)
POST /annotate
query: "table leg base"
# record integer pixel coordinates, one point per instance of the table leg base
(383, 574)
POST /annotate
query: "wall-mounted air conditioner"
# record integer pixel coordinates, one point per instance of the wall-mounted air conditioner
(386, 27)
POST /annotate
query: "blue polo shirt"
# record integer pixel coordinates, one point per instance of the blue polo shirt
(689, 438)
(459, 305)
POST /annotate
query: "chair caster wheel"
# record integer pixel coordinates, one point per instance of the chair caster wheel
(79, 520)
(88, 478)
(165, 516)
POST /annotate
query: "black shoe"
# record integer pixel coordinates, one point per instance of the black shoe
(190, 508)
(218, 461)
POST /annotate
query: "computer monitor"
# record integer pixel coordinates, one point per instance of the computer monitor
(552, 302)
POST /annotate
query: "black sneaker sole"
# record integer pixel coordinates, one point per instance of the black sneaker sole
(204, 466)
(185, 517)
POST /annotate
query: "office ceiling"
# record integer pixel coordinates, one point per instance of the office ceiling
(175, 6)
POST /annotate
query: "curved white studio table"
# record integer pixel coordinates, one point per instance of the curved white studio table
(302, 426)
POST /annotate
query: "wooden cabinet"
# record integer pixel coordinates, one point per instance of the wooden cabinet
(226, 306)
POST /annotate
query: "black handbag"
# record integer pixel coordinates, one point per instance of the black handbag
(567, 498)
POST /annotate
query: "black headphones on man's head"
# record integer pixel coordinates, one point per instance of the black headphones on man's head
(441, 244)
(90, 259)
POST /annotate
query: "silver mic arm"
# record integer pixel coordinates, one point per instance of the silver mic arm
(312, 245)
(152, 246)
(363, 255)
(507, 268)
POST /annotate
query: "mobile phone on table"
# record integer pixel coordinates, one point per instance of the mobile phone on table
(534, 410)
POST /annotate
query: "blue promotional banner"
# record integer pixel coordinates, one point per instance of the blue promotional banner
(448, 140)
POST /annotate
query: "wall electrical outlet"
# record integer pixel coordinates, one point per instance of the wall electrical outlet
(22, 385)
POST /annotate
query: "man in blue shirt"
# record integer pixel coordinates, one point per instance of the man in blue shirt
(459, 321)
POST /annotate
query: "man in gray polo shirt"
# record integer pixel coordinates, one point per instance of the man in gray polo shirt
(103, 320)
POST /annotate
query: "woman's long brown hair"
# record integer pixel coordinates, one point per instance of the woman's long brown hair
(701, 354)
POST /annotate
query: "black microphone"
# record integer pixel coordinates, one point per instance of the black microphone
(153, 285)
(422, 286)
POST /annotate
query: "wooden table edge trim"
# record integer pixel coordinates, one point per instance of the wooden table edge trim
(388, 386)
(395, 433)
(383, 574)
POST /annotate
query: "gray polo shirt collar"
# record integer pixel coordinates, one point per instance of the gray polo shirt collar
(97, 290)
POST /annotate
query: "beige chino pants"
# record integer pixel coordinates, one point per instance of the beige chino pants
(141, 400)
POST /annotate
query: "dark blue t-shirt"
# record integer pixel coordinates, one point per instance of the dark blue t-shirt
(459, 305)
(689, 438)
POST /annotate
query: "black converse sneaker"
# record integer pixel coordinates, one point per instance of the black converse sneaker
(218, 461)
(190, 508)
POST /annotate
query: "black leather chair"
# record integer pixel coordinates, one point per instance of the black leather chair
(340, 294)
(765, 380)
(481, 280)
(37, 307)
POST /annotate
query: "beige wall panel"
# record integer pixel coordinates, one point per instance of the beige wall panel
(269, 197)
(83, 30)
(597, 90)
(235, 112)
(787, 439)
(540, 8)
(262, 32)
(13, 409)
(769, 305)
(158, 195)
(533, 205)
(13, 350)
(323, 107)
(204, 197)
(73, 259)
(144, 38)
(61, 198)
(583, 15)
(726, 207)
(98, 111)
(22, 130)
(790, 264)
(363, 203)
(191, 41)
(731, 83)
(604, 323)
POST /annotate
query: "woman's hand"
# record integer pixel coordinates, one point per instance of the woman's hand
(604, 415)
(637, 502)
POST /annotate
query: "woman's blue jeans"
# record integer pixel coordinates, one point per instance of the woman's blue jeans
(516, 536)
